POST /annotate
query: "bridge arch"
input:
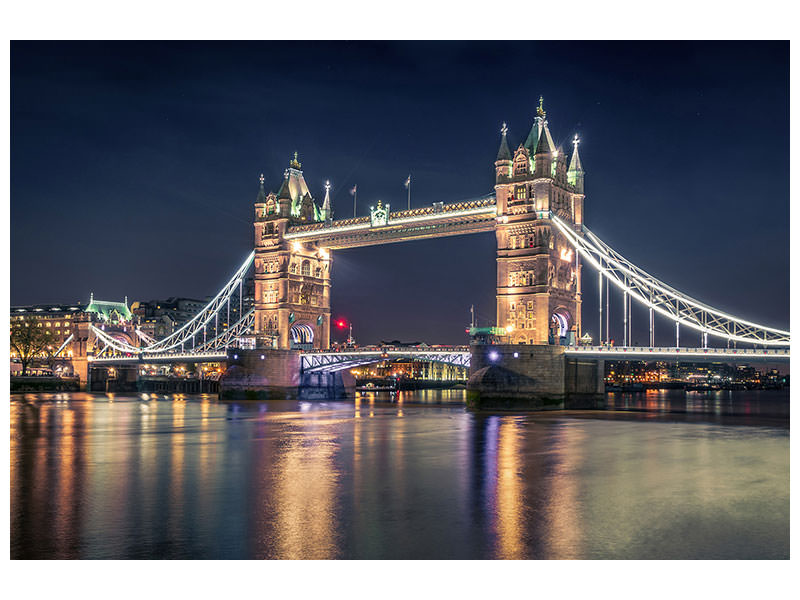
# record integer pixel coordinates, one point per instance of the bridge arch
(562, 321)
(302, 335)
(339, 361)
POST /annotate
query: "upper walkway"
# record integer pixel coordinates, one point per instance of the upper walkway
(380, 227)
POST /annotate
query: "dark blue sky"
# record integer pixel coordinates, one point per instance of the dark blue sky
(134, 166)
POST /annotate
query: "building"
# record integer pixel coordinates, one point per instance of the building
(292, 281)
(160, 318)
(68, 323)
(58, 320)
(538, 273)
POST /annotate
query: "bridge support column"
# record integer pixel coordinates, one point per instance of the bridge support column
(532, 377)
(80, 366)
(261, 375)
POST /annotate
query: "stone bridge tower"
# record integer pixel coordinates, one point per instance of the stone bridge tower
(538, 272)
(292, 279)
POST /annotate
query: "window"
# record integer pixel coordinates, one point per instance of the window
(305, 270)
(318, 272)
(293, 269)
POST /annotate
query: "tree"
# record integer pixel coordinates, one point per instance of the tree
(29, 340)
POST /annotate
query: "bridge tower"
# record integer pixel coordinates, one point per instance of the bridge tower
(292, 279)
(538, 273)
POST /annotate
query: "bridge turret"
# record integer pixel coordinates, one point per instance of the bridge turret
(261, 200)
(544, 155)
(503, 162)
(292, 278)
(575, 172)
(538, 278)
(325, 212)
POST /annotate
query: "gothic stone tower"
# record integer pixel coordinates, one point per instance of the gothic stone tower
(538, 272)
(292, 279)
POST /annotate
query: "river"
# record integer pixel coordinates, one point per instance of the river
(658, 475)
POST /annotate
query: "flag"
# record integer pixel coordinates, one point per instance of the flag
(408, 181)
(353, 191)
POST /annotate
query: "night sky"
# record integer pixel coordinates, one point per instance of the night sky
(134, 166)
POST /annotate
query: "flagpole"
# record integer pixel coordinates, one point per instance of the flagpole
(355, 195)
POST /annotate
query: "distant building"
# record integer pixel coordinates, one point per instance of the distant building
(160, 318)
(62, 320)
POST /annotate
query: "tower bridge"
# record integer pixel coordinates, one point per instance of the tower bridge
(536, 211)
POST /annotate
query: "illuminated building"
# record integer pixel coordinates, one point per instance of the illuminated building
(69, 322)
(538, 273)
(292, 279)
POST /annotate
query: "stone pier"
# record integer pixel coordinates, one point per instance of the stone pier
(532, 377)
(276, 375)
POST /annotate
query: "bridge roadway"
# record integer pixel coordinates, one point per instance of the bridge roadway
(328, 361)
(460, 355)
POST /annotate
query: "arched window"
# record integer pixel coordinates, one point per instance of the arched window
(270, 206)
(305, 269)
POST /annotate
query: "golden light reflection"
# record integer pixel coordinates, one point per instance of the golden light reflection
(64, 494)
(305, 490)
(176, 480)
(509, 492)
(564, 534)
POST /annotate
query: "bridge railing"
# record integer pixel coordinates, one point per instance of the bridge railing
(672, 350)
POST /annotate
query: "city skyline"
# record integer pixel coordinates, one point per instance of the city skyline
(161, 186)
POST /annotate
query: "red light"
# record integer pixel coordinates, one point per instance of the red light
(341, 324)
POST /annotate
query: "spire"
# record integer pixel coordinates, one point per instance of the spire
(504, 153)
(295, 164)
(545, 145)
(533, 137)
(539, 127)
(575, 174)
(262, 196)
(540, 112)
(575, 162)
(326, 204)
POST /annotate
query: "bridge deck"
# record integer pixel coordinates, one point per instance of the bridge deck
(460, 355)
(682, 354)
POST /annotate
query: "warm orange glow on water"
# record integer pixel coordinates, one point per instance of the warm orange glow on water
(305, 479)
(563, 505)
(509, 504)
(197, 478)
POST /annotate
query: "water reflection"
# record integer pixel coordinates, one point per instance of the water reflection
(403, 476)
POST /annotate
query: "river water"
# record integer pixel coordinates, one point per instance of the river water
(660, 475)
